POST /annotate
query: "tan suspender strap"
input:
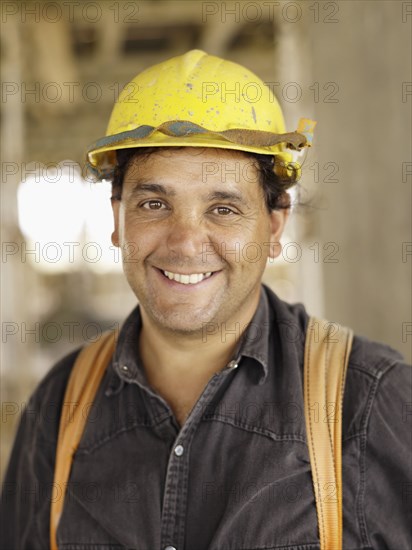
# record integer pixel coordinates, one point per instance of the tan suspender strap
(81, 389)
(327, 351)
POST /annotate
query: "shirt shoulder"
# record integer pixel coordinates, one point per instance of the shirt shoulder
(58, 375)
(374, 370)
(373, 358)
(373, 367)
(46, 401)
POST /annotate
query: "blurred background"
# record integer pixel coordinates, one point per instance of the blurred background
(347, 254)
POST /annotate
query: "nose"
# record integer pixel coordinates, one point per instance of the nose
(186, 237)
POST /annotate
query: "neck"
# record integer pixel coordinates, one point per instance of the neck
(168, 354)
(179, 354)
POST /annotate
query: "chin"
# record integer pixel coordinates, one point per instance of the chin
(180, 323)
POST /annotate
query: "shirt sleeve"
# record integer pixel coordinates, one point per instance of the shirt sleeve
(28, 487)
(387, 470)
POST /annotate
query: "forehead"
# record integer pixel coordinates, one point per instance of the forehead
(204, 165)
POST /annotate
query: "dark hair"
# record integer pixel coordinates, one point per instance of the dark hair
(274, 186)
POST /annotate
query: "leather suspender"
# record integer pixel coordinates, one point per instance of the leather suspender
(82, 387)
(327, 351)
(326, 359)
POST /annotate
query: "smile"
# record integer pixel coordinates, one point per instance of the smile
(191, 279)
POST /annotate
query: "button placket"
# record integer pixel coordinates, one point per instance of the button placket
(176, 483)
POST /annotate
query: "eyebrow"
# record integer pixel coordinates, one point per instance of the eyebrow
(226, 195)
(143, 187)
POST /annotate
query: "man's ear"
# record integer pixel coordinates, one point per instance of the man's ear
(116, 215)
(278, 219)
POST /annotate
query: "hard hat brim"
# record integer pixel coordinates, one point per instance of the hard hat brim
(101, 155)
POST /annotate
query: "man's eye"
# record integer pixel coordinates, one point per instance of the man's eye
(223, 210)
(153, 205)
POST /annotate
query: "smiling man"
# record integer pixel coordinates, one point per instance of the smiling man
(190, 214)
(185, 226)
(197, 438)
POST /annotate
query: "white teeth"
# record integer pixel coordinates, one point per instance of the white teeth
(192, 279)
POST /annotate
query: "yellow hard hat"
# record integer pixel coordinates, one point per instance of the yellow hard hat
(197, 100)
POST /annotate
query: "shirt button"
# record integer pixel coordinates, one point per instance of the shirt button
(170, 548)
(178, 452)
(127, 371)
(232, 365)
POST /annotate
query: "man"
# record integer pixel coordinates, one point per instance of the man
(197, 439)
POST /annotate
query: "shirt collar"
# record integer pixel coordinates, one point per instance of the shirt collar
(255, 340)
(127, 365)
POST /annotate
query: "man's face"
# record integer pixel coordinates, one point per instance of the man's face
(197, 213)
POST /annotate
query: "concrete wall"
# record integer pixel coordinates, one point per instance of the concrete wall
(367, 135)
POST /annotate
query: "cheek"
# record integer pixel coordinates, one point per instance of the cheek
(140, 239)
(256, 249)
(245, 247)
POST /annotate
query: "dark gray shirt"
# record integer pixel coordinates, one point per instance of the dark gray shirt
(237, 475)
